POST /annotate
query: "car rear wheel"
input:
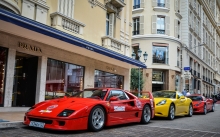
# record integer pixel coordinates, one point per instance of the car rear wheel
(146, 115)
(190, 112)
(213, 107)
(205, 110)
(96, 119)
(171, 115)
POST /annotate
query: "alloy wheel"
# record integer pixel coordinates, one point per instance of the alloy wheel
(98, 118)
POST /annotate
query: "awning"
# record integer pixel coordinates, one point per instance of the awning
(60, 35)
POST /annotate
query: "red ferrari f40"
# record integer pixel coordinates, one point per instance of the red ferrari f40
(91, 109)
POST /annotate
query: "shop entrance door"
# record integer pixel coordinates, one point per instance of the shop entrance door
(25, 78)
(157, 87)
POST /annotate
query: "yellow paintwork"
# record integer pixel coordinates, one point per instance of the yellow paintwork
(181, 106)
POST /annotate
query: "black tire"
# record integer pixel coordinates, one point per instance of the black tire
(205, 109)
(213, 107)
(146, 115)
(190, 112)
(96, 123)
(171, 113)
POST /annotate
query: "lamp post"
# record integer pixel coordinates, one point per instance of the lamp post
(139, 56)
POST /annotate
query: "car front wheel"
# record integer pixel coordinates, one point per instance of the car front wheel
(146, 115)
(190, 112)
(96, 119)
(171, 115)
(205, 110)
(213, 107)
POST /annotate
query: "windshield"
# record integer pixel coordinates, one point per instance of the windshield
(96, 93)
(195, 98)
(164, 94)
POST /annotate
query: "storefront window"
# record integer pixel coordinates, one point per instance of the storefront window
(105, 79)
(63, 79)
(160, 54)
(3, 58)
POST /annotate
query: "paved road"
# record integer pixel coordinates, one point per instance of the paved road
(196, 126)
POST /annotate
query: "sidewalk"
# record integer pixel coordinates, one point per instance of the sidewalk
(11, 119)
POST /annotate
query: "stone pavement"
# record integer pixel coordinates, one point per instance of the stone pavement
(11, 119)
(129, 130)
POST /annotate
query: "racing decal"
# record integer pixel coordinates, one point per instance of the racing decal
(138, 103)
(52, 107)
(119, 108)
(45, 111)
(108, 104)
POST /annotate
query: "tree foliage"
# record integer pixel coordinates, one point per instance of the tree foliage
(135, 78)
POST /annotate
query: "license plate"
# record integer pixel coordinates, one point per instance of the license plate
(37, 124)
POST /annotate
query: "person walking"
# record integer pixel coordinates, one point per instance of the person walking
(188, 93)
(184, 92)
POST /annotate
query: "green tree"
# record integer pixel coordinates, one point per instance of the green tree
(135, 78)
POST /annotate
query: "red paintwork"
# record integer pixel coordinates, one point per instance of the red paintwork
(82, 106)
(198, 106)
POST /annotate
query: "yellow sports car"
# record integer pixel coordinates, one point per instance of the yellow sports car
(172, 103)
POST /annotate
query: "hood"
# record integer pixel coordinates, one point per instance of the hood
(54, 107)
(157, 100)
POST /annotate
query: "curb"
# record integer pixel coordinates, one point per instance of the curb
(10, 124)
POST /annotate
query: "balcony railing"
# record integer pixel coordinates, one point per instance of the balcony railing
(136, 32)
(160, 31)
(114, 44)
(136, 6)
(160, 4)
(116, 3)
(59, 20)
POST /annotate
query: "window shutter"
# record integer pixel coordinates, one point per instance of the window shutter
(176, 6)
(167, 4)
(111, 24)
(167, 25)
(154, 3)
(142, 3)
(154, 24)
(176, 28)
(141, 25)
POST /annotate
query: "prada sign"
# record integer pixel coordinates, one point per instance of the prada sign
(29, 47)
(110, 68)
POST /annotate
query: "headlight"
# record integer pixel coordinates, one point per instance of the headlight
(66, 113)
(162, 102)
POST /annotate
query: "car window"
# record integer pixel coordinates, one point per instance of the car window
(119, 93)
(195, 98)
(179, 94)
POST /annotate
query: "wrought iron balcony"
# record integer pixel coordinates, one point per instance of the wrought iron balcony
(160, 31)
(136, 32)
(136, 6)
(160, 4)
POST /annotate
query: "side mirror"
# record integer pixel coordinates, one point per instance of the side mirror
(114, 98)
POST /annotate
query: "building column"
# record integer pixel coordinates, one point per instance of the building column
(41, 79)
(9, 77)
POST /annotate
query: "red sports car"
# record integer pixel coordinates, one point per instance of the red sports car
(91, 109)
(202, 104)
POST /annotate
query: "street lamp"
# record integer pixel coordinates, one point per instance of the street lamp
(139, 56)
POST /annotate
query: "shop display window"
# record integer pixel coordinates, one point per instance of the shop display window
(63, 79)
(3, 58)
(106, 79)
